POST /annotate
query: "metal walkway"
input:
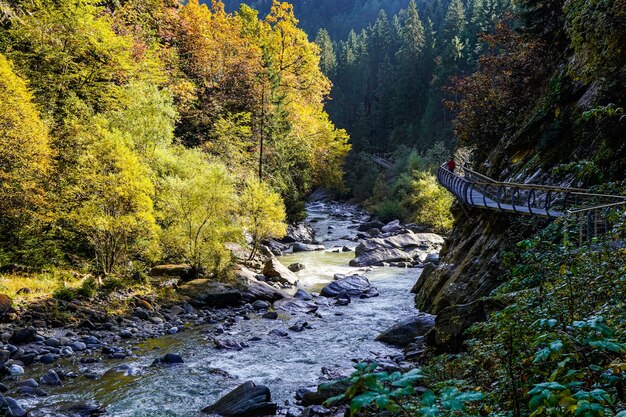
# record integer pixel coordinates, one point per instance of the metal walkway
(383, 160)
(587, 214)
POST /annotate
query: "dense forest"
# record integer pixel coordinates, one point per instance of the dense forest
(337, 17)
(182, 139)
(136, 131)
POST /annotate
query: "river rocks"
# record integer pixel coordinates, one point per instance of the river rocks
(205, 293)
(271, 315)
(296, 267)
(296, 306)
(391, 227)
(299, 326)
(261, 305)
(301, 232)
(4, 356)
(24, 335)
(278, 332)
(404, 332)
(227, 344)
(405, 247)
(303, 295)
(304, 247)
(168, 359)
(16, 370)
(353, 286)
(252, 289)
(448, 334)
(75, 409)
(247, 400)
(376, 224)
(14, 408)
(274, 270)
(50, 378)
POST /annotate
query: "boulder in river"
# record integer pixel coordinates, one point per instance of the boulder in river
(247, 400)
(404, 247)
(296, 306)
(353, 286)
(168, 359)
(81, 409)
(301, 232)
(252, 289)
(404, 332)
(307, 247)
(205, 293)
(296, 267)
(274, 270)
(50, 378)
(12, 408)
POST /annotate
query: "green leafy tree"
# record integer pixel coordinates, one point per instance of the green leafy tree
(197, 204)
(25, 160)
(112, 201)
(262, 213)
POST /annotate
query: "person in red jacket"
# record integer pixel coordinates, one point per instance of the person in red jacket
(451, 165)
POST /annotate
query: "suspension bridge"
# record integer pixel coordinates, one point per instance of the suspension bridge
(585, 214)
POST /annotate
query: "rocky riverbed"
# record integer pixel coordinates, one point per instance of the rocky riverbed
(175, 359)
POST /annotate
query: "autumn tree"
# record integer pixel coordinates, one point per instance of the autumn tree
(262, 213)
(25, 160)
(197, 207)
(112, 202)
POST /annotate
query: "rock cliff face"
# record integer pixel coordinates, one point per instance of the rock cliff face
(469, 267)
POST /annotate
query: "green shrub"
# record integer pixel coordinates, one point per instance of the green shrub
(395, 392)
(64, 293)
(88, 288)
(111, 284)
(389, 210)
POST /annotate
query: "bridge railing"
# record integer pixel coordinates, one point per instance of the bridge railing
(477, 190)
(586, 224)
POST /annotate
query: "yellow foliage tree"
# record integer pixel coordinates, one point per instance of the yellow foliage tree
(113, 206)
(197, 207)
(262, 213)
(431, 202)
(25, 155)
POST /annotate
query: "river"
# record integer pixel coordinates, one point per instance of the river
(338, 335)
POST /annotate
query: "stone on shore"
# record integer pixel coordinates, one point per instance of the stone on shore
(353, 286)
(182, 272)
(405, 247)
(247, 400)
(205, 293)
(300, 232)
(405, 332)
(276, 271)
(252, 289)
(24, 335)
(50, 378)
